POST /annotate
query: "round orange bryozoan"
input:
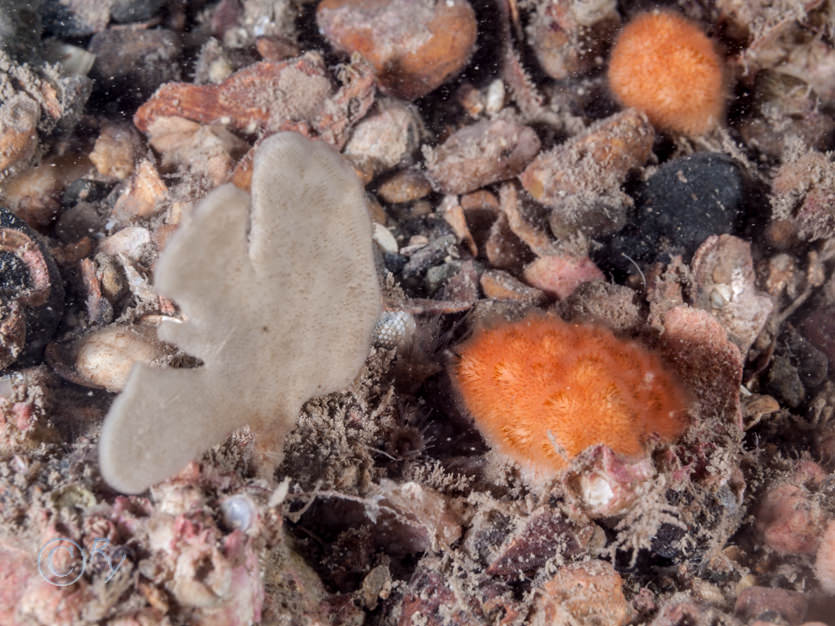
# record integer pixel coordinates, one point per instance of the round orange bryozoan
(664, 65)
(584, 386)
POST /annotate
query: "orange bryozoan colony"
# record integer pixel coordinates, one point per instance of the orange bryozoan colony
(584, 386)
(664, 65)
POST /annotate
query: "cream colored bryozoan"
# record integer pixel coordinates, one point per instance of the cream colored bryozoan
(279, 297)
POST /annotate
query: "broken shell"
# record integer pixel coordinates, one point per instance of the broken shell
(142, 196)
(31, 291)
(104, 358)
(583, 593)
(503, 286)
(723, 272)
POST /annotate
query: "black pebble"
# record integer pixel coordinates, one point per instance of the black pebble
(681, 205)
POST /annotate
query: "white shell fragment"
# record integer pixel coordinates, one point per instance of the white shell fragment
(105, 357)
(280, 299)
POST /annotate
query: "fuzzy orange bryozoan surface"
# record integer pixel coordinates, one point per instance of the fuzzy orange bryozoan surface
(665, 66)
(584, 386)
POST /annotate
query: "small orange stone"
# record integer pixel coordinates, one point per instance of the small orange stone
(664, 65)
(414, 45)
(540, 375)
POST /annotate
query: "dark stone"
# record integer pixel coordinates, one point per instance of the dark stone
(20, 29)
(797, 367)
(132, 62)
(431, 254)
(394, 262)
(85, 190)
(681, 205)
(75, 19)
(123, 11)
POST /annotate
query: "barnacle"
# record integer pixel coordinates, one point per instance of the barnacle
(542, 390)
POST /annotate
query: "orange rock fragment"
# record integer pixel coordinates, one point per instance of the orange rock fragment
(414, 45)
(262, 95)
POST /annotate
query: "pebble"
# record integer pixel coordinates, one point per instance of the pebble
(404, 186)
(74, 19)
(686, 201)
(504, 249)
(818, 326)
(383, 237)
(431, 254)
(206, 150)
(796, 368)
(501, 285)
(790, 520)
(480, 154)
(264, 95)
(19, 116)
(580, 179)
(413, 45)
(33, 194)
(755, 601)
(803, 192)
(570, 38)
(116, 150)
(462, 285)
(698, 349)
(134, 10)
(599, 302)
(20, 29)
(387, 137)
(133, 242)
(560, 275)
(142, 195)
